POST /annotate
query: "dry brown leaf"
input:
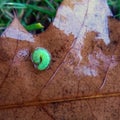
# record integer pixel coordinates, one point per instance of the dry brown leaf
(17, 31)
(83, 58)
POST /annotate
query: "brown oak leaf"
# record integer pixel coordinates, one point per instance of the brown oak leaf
(82, 81)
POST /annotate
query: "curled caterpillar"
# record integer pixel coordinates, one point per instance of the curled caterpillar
(41, 58)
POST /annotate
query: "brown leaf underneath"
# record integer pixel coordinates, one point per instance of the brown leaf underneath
(69, 88)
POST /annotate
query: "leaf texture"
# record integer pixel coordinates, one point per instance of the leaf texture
(82, 81)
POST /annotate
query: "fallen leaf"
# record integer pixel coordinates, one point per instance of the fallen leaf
(82, 81)
(17, 31)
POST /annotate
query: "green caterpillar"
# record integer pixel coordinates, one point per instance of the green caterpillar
(41, 58)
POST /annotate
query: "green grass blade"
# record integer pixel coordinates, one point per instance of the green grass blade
(49, 4)
(41, 9)
(34, 7)
(14, 5)
(34, 26)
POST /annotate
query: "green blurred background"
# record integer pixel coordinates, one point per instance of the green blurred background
(36, 15)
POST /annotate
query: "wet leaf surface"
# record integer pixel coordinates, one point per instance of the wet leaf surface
(82, 81)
